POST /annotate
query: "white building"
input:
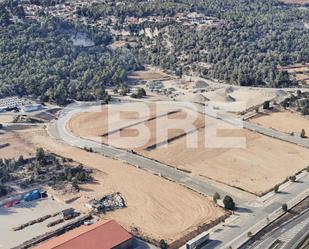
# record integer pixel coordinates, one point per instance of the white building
(31, 108)
(10, 102)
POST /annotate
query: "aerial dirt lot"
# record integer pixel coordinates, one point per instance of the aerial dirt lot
(6, 118)
(95, 125)
(283, 121)
(242, 97)
(256, 168)
(18, 145)
(150, 73)
(158, 208)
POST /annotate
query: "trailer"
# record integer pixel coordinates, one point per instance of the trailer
(198, 240)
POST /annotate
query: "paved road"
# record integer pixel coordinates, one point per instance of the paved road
(277, 134)
(288, 233)
(234, 233)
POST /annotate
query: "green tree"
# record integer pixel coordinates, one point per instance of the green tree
(303, 133)
(216, 197)
(40, 154)
(163, 244)
(285, 207)
(229, 203)
(21, 159)
(276, 189)
(292, 178)
(266, 105)
(3, 190)
(75, 185)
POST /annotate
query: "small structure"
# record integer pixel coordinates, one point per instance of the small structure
(3, 108)
(31, 108)
(198, 240)
(196, 98)
(107, 203)
(67, 214)
(10, 103)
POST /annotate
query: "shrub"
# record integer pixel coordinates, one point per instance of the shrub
(75, 185)
(216, 197)
(285, 207)
(266, 105)
(3, 190)
(21, 159)
(40, 154)
(163, 244)
(303, 133)
(276, 189)
(292, 178)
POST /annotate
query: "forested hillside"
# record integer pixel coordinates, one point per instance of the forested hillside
(253, 39)
(40, 59)
(257, 36)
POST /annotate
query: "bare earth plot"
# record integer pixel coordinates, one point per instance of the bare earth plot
(17, 145)
(256, 168)
(148, 74)
(99, 126)
(283, 121)
(4, 118)
(158, 208)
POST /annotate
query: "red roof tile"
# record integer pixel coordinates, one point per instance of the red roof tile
(101, 235)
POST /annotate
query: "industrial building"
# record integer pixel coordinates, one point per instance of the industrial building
(31, 108)
(105, 234)
(10, 103)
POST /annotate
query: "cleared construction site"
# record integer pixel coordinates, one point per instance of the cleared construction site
(256, 168)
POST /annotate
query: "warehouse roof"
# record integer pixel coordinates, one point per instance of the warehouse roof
(104, 234)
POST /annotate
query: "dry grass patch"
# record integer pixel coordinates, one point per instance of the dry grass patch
(283, 121)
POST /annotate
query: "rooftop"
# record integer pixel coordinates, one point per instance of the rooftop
(104, 234)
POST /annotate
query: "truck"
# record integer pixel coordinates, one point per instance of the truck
(198, 240)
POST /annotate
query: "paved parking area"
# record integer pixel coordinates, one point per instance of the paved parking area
(23, 213)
